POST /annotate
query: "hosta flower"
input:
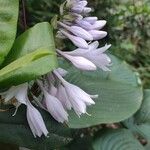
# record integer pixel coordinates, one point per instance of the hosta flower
(63, 97)
(78, 98)
(18, 92)
(54, 106)
(78, 31)
(77, 41)
(79, 62)
(34, 117)
(81, 29)
(93, 54)
(57, 95)
(35, 121)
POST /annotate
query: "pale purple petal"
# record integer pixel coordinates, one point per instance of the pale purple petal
(81, 62)
(87, 10)
(81, 52)
(36, 121)
(84, 24)
(52, 90)
(21, 94)
(98, 25)
(91, 20)
(78, 98)
(55, 108)
(97, 35)
(80, 32)
(62, 96)
(79, 42)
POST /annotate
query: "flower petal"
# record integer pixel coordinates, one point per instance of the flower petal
(55, 108)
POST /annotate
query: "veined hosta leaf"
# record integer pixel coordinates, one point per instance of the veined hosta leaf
(32, 55)
(120, 94)
(140, 122)
(15, 130)
(119, 139)
(8, 25)
(143, 114)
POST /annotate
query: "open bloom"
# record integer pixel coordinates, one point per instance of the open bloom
(78, 98)
(79, 62)
(34, 117)
(93, 54)
(53, 105)
(19, 92)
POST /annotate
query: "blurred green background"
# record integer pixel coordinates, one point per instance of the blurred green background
(128, 27)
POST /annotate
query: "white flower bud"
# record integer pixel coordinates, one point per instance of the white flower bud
(79, 42)
(98, 25)
(97, 35)
(91, 20)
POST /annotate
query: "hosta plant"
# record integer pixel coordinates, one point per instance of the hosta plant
(51, 94)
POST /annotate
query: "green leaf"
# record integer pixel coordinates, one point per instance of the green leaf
(32, 55)
(143, 114)
(120, 94)
(140, 122)
(8, 23)
(119, 139)
(15, 130)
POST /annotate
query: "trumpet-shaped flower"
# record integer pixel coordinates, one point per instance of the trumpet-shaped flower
(78, 41)
(35, 121)
(19, 92)
(94, 54)
(79, 62)
(55, 108)
(77, 97)
(63, 97)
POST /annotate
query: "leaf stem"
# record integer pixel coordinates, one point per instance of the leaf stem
(24, 14)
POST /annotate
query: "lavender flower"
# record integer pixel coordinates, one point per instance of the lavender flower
(93, 54)
(63, 97)
(77, 97)
(35, 121)
(54, 106)
(81, 28)
(78, 31)
(79, 62)
(78, 41)
(19, 92)
(34, 118)
(58, 94)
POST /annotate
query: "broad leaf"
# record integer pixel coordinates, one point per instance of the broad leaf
(119, 139)
(8, 25)
(140, 122)
(32, 55)
(120, 94)
(143, 115)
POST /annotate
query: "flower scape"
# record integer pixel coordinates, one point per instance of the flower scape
(58, 95)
